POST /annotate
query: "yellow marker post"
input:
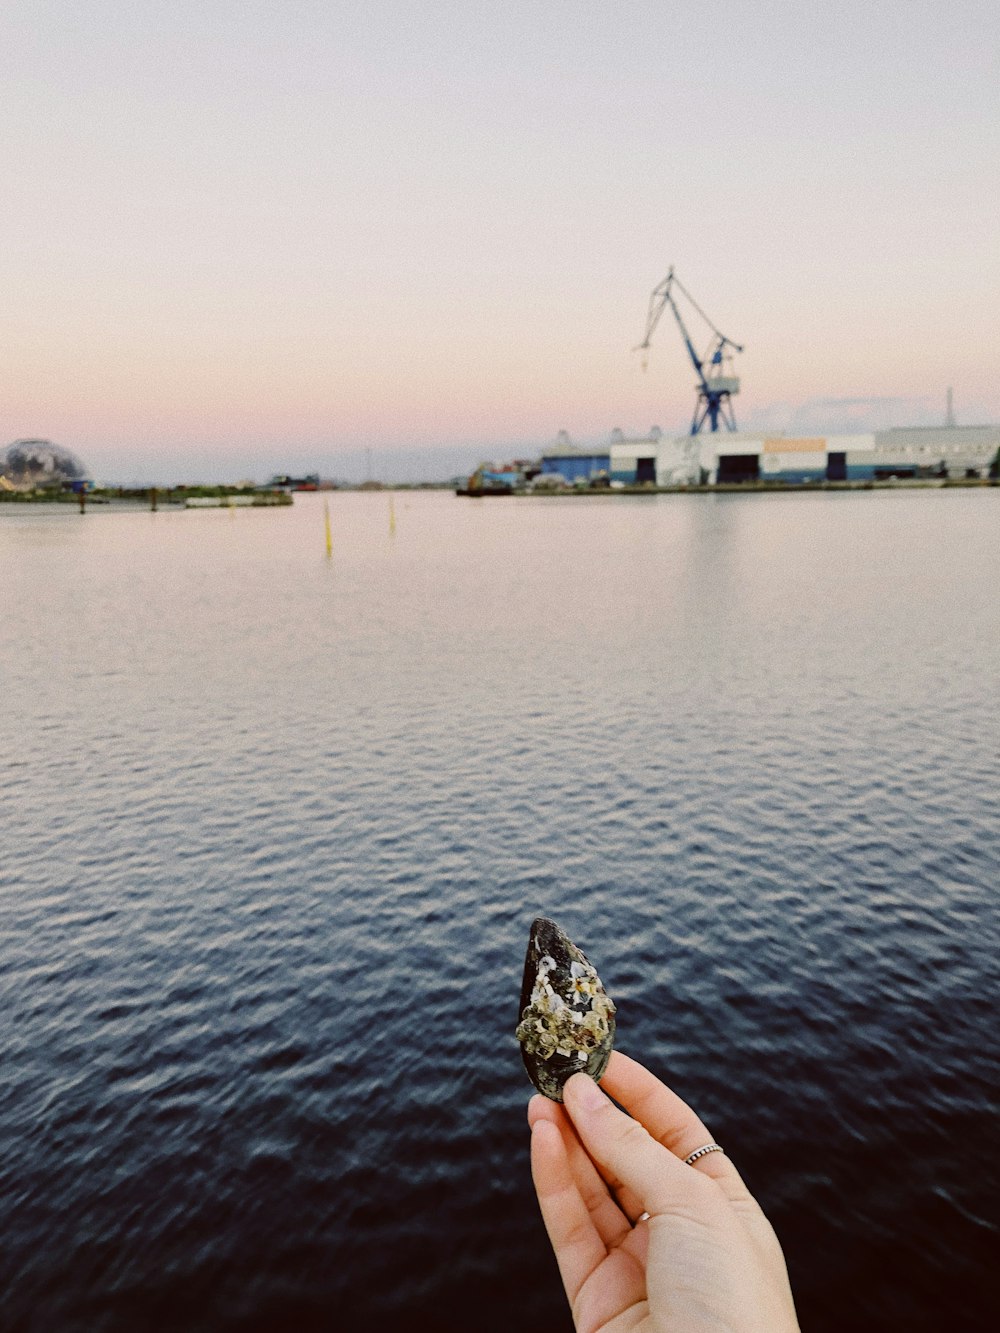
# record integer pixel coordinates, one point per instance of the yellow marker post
(392, 517)
(326, 521)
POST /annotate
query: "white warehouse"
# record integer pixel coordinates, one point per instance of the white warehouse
(744, 456)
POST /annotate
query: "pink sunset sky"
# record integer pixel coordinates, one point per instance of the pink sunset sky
(241, 236)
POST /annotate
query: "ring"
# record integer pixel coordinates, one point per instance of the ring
(702, 1152)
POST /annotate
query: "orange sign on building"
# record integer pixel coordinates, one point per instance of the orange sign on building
(781, 444)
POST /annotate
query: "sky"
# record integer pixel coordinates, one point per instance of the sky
(242, 237)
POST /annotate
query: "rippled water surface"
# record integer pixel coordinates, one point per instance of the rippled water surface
(274, 828)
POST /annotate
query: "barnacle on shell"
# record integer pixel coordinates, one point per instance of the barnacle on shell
(567, 1019)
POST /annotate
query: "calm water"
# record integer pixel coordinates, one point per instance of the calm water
(274, 828)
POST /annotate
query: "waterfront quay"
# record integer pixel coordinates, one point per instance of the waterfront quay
(750, 460)
(771, 487)
(150, 497)
(737, 487)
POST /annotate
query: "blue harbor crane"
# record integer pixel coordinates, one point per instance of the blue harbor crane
(717, 384)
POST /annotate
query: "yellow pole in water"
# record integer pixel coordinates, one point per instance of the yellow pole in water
(326, 520)
(392, 517)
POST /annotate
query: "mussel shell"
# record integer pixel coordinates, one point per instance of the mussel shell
(550, 1075)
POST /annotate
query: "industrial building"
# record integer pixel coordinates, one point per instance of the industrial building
(565, 461)
(745, 456)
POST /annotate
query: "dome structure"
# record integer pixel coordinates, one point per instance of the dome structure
(28, 465)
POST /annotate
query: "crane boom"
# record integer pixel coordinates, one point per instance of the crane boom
(715, 388)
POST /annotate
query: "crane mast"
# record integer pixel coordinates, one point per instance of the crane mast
(714, 387)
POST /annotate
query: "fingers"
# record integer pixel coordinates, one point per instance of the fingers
(622, 1147)
(571, 1228)
(590, 1175)
(669, 1120)
(610, 1217)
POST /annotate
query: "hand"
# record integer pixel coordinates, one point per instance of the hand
(642, 1240)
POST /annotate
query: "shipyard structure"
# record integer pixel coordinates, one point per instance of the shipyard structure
(715, 452)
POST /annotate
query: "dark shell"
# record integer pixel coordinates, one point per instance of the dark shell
(567, 1020)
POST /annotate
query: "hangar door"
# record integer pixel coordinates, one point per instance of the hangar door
(738, 467)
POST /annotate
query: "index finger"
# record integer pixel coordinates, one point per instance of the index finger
(669, 1120)
(623, 1147)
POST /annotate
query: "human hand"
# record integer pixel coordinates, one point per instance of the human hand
(642, 1240)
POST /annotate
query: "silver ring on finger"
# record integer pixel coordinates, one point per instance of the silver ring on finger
(702, 1152)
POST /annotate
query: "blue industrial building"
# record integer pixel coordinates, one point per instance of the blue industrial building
(576, 467)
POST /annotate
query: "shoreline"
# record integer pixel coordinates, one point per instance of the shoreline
(746, 487)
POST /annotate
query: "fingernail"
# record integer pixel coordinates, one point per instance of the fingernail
(586, 1094)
